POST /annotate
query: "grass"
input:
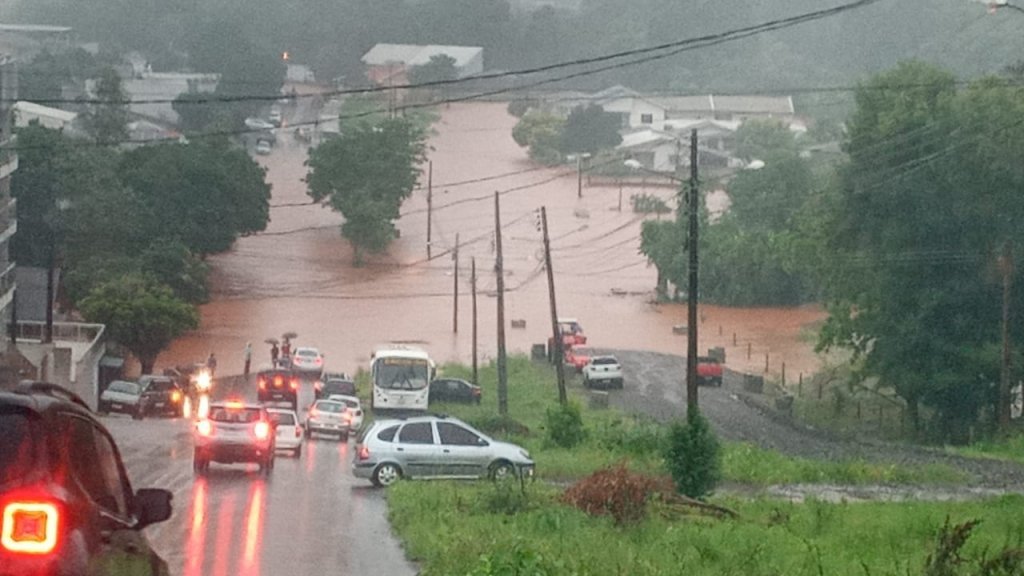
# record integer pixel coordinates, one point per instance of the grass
(613, 438)
(453, 528)
(357, 110)
(1011, 448)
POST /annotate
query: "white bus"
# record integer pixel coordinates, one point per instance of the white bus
(401, 378)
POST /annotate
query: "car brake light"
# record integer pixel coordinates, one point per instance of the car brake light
(30, 527)
(295, 384)
(262, 430)
(262, 384)
(364, 452)
(319, 360)
(234, 405)
(298, 431)
(278, 381)
(476, 391)
(175, 396)
(204, 427)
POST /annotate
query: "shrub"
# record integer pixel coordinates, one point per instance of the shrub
(616, 492)
(499, 425)
(693, 456)
(638, 438)
(518, 559)
(649, 204)
(506, 498)
(565, 425)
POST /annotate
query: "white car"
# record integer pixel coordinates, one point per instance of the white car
(328, 417)
(289, 430)
(275, 116)
(124, 397)
(263, 147)
(258, 124)
(306, 359)
(603, 372)
(353, 409)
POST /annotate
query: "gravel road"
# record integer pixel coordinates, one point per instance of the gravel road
(655, 387)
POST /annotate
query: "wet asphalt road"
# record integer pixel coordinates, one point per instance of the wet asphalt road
(309, 517)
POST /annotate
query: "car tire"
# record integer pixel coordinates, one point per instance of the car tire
(501, 470)
(200, 464)
(138, 414)
(386, 474)
(298, 451)
(343, 437)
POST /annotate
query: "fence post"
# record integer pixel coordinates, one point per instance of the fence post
(765, 362)
(800, 385)
(881, 414)
(783, 374)
(820, 384)
(748, 350)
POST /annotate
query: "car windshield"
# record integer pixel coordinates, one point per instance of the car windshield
(234, 415)
(606, 360)
(125, 387)
(402, 374)
(331, 407)
(350, 402)
(17, 450)
(306, 352)
(283, 418)
(160, 386)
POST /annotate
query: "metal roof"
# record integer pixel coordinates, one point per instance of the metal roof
(415, 55)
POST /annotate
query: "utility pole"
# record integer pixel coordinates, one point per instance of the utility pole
(472, 275)
(579, 175)
(50, 265)
(455, 287)
(499, 269)
(691, 295)
(563, 398)
(430, 202)
(1006, 266)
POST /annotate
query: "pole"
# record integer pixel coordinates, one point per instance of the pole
(500, 271)
(430, 202)
(472, 274)
(620, 195)
(1006, 263)
(691, 296)
(50, 265)
(455, 288)
(563, 398)
(579, 176)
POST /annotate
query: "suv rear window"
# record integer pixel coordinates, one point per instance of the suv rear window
(235, 415)
(602, 361)
(282, 418)
(339, 387)
(160, 386)
(17, 451)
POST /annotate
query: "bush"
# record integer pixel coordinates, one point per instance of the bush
(521, 106)
(565, 425)
(499, 425)
(649, 204)
(693, 456)
(616, 492)
(506, 498)
(638, 438)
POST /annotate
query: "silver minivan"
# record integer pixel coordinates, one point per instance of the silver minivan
(434, 447)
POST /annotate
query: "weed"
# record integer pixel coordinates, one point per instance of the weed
(616, 492)
(565, 425)
(506, 498)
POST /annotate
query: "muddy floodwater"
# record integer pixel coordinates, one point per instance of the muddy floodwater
(298, 275)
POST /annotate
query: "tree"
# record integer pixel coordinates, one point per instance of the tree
(199, 112)
(589, 129)
(205, 193)
(541, 133)
(107, 120)
(142, 315)
(365, 174)
(38, 184)
(441, 67)
(758, 138)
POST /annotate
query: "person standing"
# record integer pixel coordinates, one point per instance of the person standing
(274, 352)
(211, 363)
(247, 356)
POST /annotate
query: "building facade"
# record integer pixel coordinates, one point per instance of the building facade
(8, 212)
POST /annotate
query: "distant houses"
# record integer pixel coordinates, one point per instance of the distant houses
(389, 64)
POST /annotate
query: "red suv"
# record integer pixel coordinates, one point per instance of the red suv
(66, 505)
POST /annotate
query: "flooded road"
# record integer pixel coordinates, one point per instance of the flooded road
(297, 276)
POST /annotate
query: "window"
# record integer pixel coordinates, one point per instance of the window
(455, 435)
(125, 387)
(647, 118)
(416, 433)
(605, 361)
(388, 434)
(160, 386)
(237, 416)
(17, 450)
(283, 419)
(329, 407)
(93, 463)
(114, 483)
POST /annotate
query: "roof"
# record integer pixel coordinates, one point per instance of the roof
(34, 28)
(755, 104)
(416, 55)
(644, 138)
(40, 110)
(684, 103)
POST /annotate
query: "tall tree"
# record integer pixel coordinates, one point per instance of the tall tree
(440, 67)
(589, 129)
(365, 174)
(107, 119)
(140, 314)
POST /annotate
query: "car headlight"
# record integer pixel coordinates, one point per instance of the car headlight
(524, 454)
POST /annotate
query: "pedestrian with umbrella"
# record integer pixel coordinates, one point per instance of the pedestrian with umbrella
(247, 357)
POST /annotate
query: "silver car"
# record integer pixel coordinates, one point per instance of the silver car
(434, 447)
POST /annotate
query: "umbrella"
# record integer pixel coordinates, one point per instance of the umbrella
(271, 340)
(289, 335)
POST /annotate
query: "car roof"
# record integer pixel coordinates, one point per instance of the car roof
(343, 397)
(327, 400)
(282, 411)
(297, 348)
(233, 404)
(604, 357)
(41, 397)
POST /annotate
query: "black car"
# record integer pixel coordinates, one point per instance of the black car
(454, 390)
(278, 385)
(333, 386)
(66, 505)
(162, 395)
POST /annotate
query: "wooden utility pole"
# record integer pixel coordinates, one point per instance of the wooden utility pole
(1006, 266)
(499, 269)
(430, 202)
(691, 295)
(579, 176)
(455, 287)
(472, 276)
(563, 398)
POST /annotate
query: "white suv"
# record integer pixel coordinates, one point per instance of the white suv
(603, 372)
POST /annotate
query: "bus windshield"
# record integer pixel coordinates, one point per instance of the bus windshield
(402, 374)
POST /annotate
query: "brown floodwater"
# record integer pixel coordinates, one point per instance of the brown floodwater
(298, 275)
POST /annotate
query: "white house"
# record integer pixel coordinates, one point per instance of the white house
(47, 117)
(163, 87)
(383, 59)
(668, 151)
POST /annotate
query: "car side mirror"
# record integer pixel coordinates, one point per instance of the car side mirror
(481, 442)
(152, 505)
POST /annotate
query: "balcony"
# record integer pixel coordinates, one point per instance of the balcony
(8, 160)
(7, 286)
(8, 220)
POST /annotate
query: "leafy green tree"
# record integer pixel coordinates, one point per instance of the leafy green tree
(541, 133)
(107, 120)
(693, 456)
(38, 184)
(44, 77)
(140, 314)
(589, 129)
(441, 67)
(759, 138)
(207, 193)
(365, 174)
(199, 112)
(663, 242)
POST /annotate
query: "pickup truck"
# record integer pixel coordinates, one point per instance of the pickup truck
(604, 372)
(709, 371)
(578, 358)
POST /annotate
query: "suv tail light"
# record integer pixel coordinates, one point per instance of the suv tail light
(295, 384)
(262, 384)
(359, 412)
(30, 527)
(364, 452)
(176, 396)
(204, 427)
(261, 430)
(298, 431)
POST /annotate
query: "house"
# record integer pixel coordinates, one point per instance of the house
(54, 118)
(668, 151)
(388, 64)
(731, 107)
(151, 93)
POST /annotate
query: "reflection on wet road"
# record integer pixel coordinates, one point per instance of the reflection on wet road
(310, 516)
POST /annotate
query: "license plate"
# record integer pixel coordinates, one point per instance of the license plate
(159, 404)
(117, 406)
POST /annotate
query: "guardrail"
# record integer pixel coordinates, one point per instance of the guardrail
(32, 330)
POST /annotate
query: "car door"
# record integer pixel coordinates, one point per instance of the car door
(463, 452)
(97, 469)
(417, 450)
